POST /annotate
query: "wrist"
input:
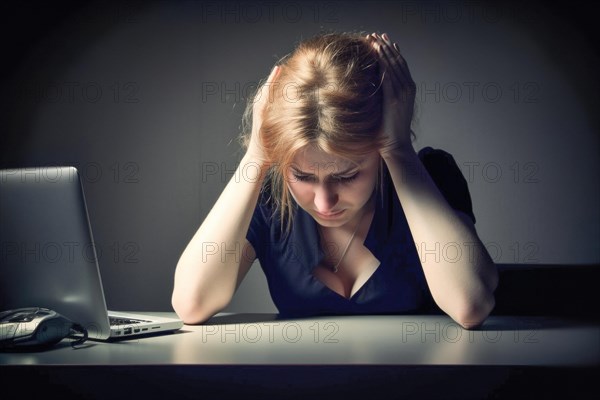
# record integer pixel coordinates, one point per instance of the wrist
(254, 165)
(398, 152)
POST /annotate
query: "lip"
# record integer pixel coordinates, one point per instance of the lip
(330, 215)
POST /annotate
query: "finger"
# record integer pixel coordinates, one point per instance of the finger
(394, 58)
(273, 74)
(389, 81)
(263, 93)
(394, 50)
(398, 89)
(391, 72)
(398, 84)
(393, 46)
(399, 73)
(371, 39)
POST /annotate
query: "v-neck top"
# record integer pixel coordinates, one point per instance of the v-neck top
(397, 286)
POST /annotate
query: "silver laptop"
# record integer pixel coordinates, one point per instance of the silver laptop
(48, 258)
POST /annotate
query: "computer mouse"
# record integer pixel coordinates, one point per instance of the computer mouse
(33, 327)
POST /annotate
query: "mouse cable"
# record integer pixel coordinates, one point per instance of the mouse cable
(80, 339)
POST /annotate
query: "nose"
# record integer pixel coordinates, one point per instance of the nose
(326, 198)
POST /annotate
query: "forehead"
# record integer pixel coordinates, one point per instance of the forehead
(313, 160)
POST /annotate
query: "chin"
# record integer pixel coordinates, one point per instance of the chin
(331, 223)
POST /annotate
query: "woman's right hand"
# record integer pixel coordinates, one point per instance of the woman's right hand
(261, 100)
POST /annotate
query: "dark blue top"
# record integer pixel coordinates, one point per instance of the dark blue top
(398, 285)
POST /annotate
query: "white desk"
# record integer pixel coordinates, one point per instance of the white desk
(372, 340)
(259, 349)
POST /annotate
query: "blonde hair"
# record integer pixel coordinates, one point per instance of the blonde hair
(327, 94)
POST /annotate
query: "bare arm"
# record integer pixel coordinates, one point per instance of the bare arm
(218, 256)
(207, 272)
(462, 285)
(459, 271)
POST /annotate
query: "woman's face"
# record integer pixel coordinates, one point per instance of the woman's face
(331, 189)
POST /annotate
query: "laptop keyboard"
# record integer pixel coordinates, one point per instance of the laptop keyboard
(124, 321)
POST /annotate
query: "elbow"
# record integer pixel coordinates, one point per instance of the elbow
(193, 311)
(475, 311)
(196, 298)
(473, 314)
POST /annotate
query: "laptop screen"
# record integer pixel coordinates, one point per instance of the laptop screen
(47, 254)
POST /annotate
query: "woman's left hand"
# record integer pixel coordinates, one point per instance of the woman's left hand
(399, 91)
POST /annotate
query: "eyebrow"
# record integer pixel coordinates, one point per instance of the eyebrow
(344, 172)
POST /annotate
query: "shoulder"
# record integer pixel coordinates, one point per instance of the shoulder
(446, 174)
(440, 164)
(430, 154)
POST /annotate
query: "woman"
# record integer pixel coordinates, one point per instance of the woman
(343, 214)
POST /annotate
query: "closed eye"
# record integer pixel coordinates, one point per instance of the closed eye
(345, 179)
(303, 178)
(335, 179)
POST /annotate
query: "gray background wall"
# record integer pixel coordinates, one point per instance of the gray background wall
(146, 99)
